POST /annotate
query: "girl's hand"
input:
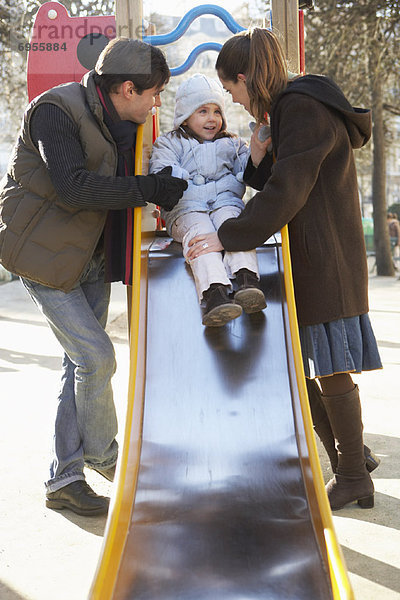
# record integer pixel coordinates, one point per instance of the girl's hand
(258, 149)
(203, 243)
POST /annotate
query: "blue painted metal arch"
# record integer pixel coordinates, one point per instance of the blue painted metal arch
(187, 20)
(182, 27)
(193, 55)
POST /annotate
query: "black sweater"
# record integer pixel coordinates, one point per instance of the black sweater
(75, 185)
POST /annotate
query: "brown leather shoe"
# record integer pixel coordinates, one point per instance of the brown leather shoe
(79, 497)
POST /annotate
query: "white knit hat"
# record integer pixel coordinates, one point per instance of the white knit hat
(195, 92)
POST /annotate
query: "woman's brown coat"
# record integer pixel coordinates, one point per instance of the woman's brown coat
(312, 187)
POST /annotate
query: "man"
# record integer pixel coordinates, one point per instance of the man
(64, 208)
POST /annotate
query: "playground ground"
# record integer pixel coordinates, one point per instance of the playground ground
(49, 555)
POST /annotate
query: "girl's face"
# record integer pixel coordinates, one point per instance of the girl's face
(238, 90)
(206, 121)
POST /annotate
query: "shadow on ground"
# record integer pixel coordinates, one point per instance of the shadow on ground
(7, 593)
(25, 358)
(94, 524)
(372, 569)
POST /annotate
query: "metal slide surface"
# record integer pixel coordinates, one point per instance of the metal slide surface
(221, 511)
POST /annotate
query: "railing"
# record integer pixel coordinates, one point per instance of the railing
(182, 27)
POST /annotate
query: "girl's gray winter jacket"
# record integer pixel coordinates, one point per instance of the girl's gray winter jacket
(213, 171)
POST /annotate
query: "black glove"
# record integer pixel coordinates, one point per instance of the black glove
(161, 188)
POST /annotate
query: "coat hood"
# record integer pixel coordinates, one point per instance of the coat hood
(358, 120)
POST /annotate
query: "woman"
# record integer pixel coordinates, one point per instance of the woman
(312, 187)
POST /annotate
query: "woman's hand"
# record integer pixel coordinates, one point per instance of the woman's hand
(258, 149)
(203, 243)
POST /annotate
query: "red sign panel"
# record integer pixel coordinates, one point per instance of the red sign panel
(64, 48)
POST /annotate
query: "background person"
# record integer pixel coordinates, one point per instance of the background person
(394, 233)
(312, 187)
(71, 165)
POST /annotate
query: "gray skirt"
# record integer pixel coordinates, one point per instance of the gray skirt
(343, 346)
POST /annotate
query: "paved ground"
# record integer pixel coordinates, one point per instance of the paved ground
(48, 555)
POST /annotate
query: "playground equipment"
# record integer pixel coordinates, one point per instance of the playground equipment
(219, 493)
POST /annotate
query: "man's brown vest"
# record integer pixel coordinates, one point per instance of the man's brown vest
(41, 237)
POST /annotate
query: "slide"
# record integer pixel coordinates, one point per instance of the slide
(216, 496)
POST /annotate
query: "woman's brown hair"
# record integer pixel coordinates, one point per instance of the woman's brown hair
(258, 54)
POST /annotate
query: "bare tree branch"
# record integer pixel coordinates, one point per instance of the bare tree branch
(357, 43)
(394, 110)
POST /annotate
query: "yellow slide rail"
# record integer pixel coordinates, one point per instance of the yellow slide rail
(121, 505)
(339, 577)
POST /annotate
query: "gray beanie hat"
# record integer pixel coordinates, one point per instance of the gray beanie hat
(195, 92)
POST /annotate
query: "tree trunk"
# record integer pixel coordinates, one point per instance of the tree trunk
(384, 262)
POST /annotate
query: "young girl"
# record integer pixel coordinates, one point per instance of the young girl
(312, 187)
(200, 150)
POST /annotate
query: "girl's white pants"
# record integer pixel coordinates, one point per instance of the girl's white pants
(212, 267)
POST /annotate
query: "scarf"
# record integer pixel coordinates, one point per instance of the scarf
(118, 231)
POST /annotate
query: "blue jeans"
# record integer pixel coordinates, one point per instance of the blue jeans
(86, 422)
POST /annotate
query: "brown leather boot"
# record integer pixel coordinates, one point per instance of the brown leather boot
(351, 481)
(321, 424)
(322, 428)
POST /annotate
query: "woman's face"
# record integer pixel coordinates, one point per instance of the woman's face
(238, 90)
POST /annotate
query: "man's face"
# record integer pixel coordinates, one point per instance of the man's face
(137, 106)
